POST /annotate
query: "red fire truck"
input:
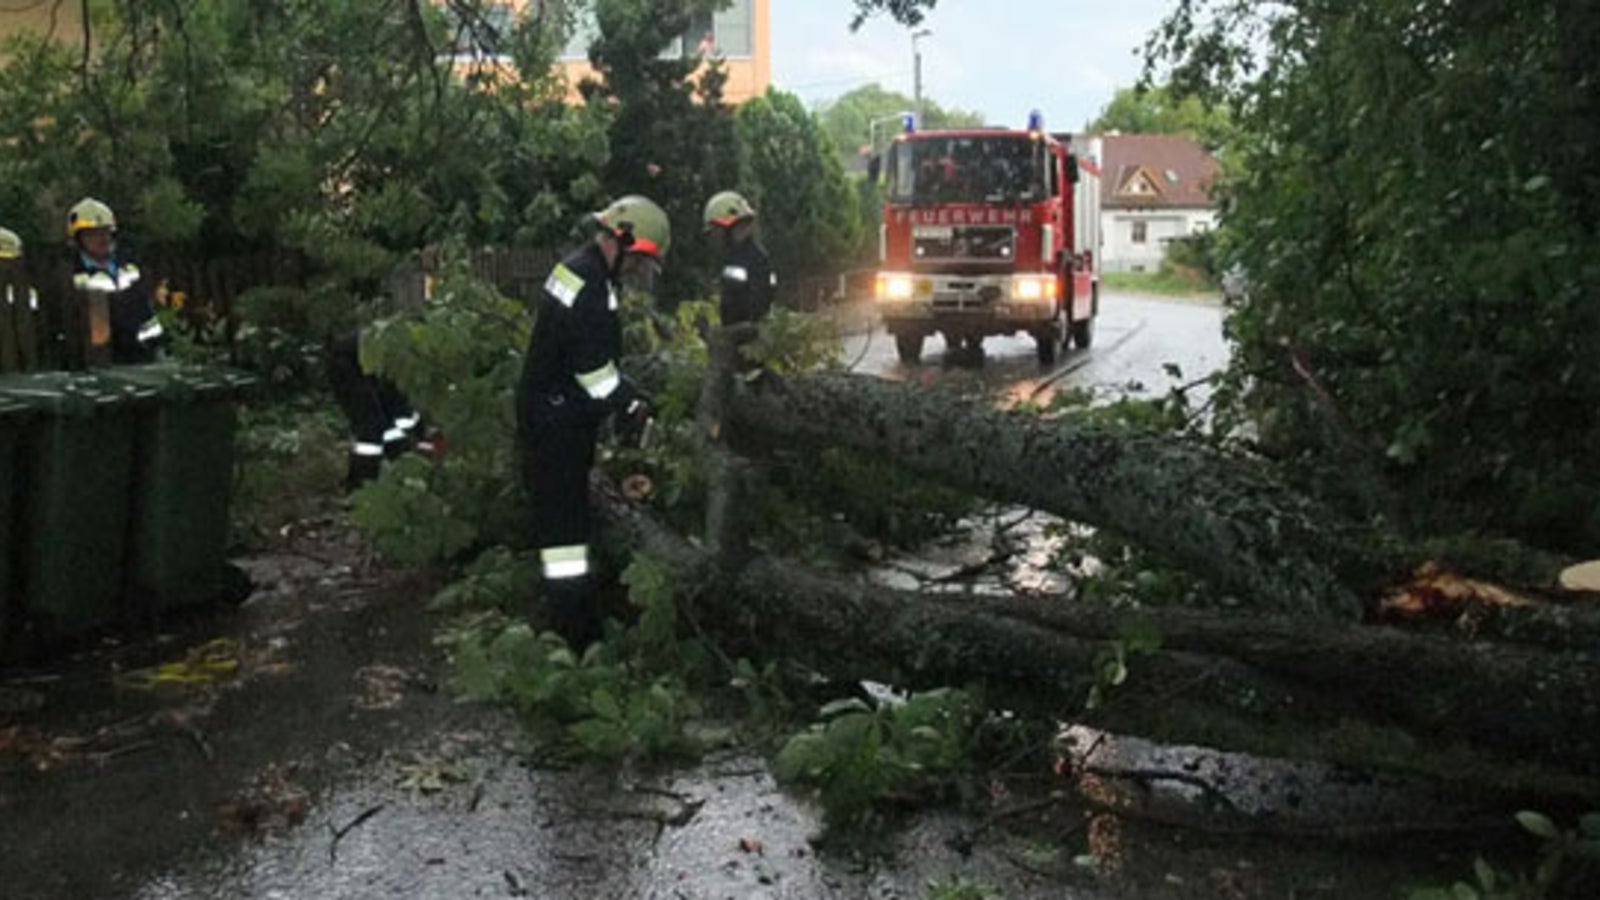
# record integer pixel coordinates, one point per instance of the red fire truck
(990, 232)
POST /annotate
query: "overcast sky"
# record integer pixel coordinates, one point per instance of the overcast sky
(999, 57)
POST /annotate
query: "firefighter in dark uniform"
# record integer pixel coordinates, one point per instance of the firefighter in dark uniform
(570, 384)
(748, 282)
(136, 334)
(383, 424)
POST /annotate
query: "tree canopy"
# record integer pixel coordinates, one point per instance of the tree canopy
(847, 119)
(791, 172)
(1417, 205)
(353, 133)
(1157, 110)
(906, 12)
(672, 137)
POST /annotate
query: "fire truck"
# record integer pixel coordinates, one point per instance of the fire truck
(991, 231)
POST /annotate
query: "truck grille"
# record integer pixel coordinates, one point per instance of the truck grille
(965, 296)
(991, 243)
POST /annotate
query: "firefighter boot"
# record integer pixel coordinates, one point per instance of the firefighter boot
(364, 467)
(570, 607)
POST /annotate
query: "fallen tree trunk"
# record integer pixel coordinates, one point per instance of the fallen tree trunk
(1216, 516)
(1503, 715)
(1511, 717)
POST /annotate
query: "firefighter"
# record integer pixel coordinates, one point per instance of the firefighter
(10, 264)
(136, 334)
(382, 421)
(10, 246)
(570, 384)
(748, 282)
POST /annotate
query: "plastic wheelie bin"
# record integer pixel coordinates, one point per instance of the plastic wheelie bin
(13, 419)
(73, 472)
(183, 483)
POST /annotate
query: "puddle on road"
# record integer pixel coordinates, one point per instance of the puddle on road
(720, 829)
(999, 551)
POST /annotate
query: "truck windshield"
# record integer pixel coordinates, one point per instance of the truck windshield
(968, 169)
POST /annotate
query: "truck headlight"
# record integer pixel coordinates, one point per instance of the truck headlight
(1033, 288)
(894, 286)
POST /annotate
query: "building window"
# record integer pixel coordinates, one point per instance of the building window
(734, 31)
(729, 33)
(1141, 232)
(584, 32)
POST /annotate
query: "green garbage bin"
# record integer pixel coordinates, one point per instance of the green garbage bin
(13, 417)
(183, 482)
(75, 462)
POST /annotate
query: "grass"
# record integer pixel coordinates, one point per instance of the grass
(1169, 281)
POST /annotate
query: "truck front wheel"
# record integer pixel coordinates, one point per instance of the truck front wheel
(1083, 334)
(1045, 342)
(909, 345)
(1083, 330)
(1051, 338)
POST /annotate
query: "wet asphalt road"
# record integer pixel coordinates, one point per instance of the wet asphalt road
(1135, 338)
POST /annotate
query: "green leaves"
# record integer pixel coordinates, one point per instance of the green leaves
(1538, 825)
(790, 170)
(457, 360)
(171, 217)
(1410, 193)
(408, 520)
(862, 758)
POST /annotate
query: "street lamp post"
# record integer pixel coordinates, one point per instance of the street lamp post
(916, 58)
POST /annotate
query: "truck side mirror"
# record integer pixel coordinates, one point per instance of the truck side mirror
(1072, 168)
(874, 168)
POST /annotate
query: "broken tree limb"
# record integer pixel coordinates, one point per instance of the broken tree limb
(1217, 516)
(725, 473)
(1286, 686)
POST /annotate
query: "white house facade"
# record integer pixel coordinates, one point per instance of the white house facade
(1156, 188)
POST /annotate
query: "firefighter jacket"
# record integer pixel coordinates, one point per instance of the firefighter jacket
(748, 283)
(571, 364)
(135, 332)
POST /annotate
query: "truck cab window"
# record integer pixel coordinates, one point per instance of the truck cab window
(968, 169)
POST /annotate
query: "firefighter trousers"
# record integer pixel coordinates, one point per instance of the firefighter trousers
(557, 451)
(381, 418)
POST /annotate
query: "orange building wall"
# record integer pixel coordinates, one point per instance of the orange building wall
(66, 18)
(748, 76)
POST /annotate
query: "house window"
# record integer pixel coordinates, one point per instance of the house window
(701, 38)
(723, 34)
(584, 32)
(734, 31)
(1141, 232)
(728, 33)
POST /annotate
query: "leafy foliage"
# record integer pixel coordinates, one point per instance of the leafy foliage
(340, 134)
(1415, 206)
(1157, 110)
(791, 172)
(906, 12)
(458, 360)
(848, 119)
(818, 503)
(672, 137)
(1111, 664)
(862, 757)
(629, 698)
(1568, 861)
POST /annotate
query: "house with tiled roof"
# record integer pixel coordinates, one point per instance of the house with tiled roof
(1154, 188)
